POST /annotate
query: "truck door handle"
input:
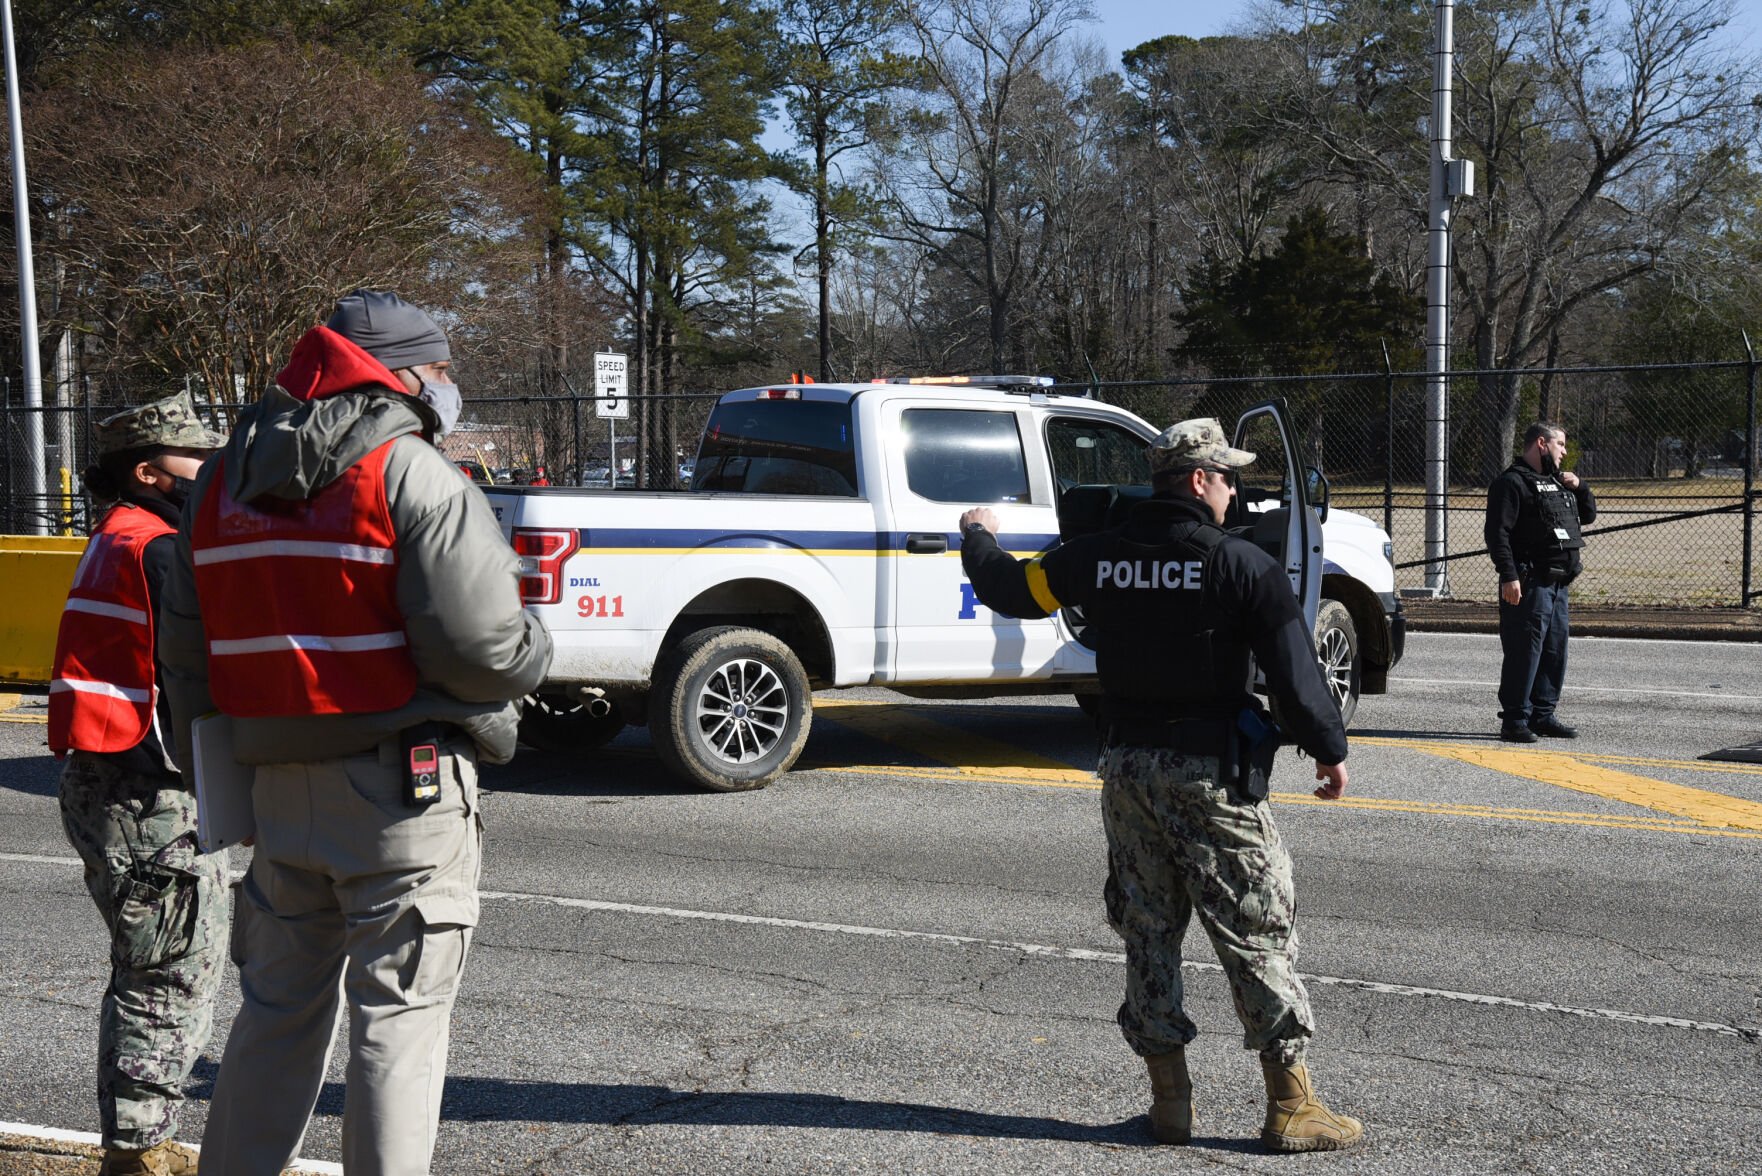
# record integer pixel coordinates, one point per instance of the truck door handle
(926, 544)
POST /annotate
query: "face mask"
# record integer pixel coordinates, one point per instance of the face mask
(1549, 466)
(445, 400)
(178, 492)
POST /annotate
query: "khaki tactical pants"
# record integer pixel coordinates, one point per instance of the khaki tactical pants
(1177, 843)
(352, 893)
(165, 906)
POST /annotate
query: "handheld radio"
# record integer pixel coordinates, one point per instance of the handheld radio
(421, 769)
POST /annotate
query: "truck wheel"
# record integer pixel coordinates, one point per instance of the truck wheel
(730, 708)
(1336, 647)
(555, 722)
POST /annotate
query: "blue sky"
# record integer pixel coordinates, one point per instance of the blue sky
(1125, 23)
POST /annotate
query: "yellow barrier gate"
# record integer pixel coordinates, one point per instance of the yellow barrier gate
(36, 572)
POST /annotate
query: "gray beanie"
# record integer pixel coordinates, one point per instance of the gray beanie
(389, 329)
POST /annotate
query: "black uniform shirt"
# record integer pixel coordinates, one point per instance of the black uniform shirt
(1245, 593)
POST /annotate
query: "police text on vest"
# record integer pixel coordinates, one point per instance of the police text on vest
(1140, 573)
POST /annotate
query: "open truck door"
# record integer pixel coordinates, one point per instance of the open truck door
(1279, 505)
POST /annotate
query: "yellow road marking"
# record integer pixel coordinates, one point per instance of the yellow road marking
(975, 757)
(1565, 770)
(9, 701)
(40, 720)
(1718, 767)
(1365, 803)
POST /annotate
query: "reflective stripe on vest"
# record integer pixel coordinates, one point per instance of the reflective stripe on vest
(299, 599)
(102, 692)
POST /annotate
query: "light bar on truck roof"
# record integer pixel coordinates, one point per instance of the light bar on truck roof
(974, 381)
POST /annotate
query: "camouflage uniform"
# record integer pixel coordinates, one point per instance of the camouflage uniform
(133, 823)
(1177, 842)
(166, 907)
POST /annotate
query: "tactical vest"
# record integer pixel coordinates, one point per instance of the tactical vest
(300, 599)
(1551, 525)
(1162, 645)
(102, 689)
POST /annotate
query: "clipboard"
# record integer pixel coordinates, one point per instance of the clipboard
(224, 815)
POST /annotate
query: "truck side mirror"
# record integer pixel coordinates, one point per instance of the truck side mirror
(1315, 489)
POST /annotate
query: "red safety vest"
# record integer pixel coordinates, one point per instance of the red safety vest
(102, 689)
(300, 599)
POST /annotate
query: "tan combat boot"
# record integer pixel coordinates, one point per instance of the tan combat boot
(162, 1159)
(1171, 1097)
(1296, 1121)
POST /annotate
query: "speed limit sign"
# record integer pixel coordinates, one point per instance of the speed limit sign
(611, 378)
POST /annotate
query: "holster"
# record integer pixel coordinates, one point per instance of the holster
(1256, 743)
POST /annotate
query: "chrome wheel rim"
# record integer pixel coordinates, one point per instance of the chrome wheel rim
(1335, 656)
(742, 711)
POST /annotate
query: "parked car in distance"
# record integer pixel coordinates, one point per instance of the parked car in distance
(476, 471)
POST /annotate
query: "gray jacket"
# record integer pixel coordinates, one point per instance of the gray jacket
(477, 651)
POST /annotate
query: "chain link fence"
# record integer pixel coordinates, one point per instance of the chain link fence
(1666, 448)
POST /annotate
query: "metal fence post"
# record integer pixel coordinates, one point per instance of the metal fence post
(11, 495)
(1749, 470)
(575, 428)
(1388, 443)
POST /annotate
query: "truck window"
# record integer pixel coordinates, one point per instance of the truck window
(778, 447)
(963, 455)
(1089, 453)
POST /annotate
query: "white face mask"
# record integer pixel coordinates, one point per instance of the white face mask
(446, 402)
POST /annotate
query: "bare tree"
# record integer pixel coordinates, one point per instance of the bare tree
(1607, 135)
(955, 183)
(208, 205)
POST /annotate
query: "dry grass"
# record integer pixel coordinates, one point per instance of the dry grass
(1694, 562)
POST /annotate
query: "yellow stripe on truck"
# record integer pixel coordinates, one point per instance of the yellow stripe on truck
(37, 571)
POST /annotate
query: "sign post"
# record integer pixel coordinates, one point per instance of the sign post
(611, 402)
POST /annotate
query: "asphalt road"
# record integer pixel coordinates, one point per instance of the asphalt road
(1522, 959)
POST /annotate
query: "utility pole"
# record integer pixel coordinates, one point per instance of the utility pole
(1450, 178)
(35, 484)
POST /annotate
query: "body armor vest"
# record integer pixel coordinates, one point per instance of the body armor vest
(1161, 645)
(1551, 525)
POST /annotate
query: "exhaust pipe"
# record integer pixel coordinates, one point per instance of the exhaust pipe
(598, 705)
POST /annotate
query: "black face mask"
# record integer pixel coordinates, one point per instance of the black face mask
(179, 491)
(1548, 465)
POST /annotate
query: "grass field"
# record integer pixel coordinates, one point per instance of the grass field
(1683, 563)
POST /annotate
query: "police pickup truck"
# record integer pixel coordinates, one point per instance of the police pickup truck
(818, 546)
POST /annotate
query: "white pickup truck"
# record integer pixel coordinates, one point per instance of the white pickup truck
(818, 547)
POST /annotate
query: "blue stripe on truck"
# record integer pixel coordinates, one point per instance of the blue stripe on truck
(651, 539)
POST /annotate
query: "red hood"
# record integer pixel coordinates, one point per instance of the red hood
(325, 363)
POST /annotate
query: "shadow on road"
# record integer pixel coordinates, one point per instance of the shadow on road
(1408, 733)
(494, 1100)
(34, 775)
(612, 772)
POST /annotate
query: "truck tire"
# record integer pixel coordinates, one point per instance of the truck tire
(1336, 651)
(1336, 648)
(555, 722)
(730, 708)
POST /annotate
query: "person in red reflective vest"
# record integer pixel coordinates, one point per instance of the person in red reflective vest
(348, 599)
(126, 808)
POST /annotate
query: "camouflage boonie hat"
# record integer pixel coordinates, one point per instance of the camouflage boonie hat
(1201, 442)
(171, 422)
